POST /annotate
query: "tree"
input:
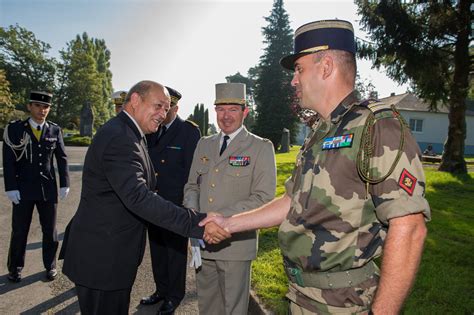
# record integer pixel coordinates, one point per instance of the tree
(201, 118)
(84, 77)
(273, 92)
(426, 43)
(364, 88)
(6, 107)
(25, 61)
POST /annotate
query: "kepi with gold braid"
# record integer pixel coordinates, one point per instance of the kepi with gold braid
(174, 95)
(230, 94)
(318, 36)
(118, 97)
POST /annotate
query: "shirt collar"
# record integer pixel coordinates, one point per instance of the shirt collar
(135, 122)
(344, 106)
(34, 124)
(170, 123)
(231, 136)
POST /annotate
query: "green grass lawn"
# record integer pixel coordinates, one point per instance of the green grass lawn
(445, 282)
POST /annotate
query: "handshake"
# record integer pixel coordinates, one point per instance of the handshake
(216, 228)
(215, 231)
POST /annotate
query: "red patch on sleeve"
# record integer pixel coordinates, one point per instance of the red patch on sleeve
(407, 182)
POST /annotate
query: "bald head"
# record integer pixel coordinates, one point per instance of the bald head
(142, 88)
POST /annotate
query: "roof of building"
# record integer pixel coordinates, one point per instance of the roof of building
(410, 102)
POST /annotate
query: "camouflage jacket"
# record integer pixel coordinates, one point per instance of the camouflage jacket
(336, 220)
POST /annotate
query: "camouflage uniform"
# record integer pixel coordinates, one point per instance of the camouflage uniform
(337, 222)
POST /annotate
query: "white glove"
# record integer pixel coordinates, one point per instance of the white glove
(63, 191)
(196, 252)
(14, 196)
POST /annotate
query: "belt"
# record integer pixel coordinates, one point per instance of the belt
(331, 280)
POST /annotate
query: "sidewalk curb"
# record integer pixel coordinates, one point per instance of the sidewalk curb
(255, 306)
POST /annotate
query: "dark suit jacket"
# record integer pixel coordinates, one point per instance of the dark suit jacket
(172, 156)
(106, 239)
(34, 175)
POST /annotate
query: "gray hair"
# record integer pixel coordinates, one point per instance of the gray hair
(142, 88)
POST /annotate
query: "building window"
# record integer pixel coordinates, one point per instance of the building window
(416, 125)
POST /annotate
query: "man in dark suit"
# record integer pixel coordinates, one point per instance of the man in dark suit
(30, 179)
(171, 150)
(106, 238)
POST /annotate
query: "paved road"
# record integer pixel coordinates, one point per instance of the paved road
(34, 295)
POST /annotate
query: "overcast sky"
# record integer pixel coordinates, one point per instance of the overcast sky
(189, 45)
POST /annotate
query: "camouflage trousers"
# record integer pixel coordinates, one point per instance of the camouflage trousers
(355, 300)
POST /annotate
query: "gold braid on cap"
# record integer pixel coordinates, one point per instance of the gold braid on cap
(225, 101)
(174, 100)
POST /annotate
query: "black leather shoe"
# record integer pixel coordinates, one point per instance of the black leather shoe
(167, 308)
(152, 299)
(51, 274)
(14, 276)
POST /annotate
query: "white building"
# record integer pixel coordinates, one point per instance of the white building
(427, 126)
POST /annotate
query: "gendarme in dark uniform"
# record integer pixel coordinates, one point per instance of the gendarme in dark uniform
(30, 179)
(171, 150)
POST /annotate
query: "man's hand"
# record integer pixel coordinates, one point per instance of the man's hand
(14, 196)
(63, 192)
(213, 233)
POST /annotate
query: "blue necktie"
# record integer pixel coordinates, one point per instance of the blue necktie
(224, 144)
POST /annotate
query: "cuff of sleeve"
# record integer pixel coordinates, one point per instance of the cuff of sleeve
(191, 203)
(289, 187)
(403, 206)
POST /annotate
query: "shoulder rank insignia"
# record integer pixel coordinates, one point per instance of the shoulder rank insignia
(239, 160)
(192, 123)
(407, 182)
(344, 141)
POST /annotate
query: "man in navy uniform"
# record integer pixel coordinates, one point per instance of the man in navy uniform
(30, 179)
(171, 149)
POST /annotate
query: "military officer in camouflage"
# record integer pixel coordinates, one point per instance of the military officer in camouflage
(357, 189)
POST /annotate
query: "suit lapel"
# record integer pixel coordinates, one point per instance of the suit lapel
(27, 128)
(148, 166)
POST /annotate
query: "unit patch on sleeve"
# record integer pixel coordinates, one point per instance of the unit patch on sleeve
(407, 182)
(239, 160)
(344, 141)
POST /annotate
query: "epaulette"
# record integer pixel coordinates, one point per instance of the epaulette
(14, 121)
(192, 123)
(52, 123)
(266, 140)
(378, 108)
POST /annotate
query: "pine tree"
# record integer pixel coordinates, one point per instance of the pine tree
(426, 43)
(273, 92)
(201, 118)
